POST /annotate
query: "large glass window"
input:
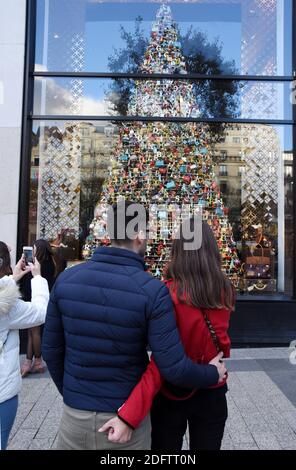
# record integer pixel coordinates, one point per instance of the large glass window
(120, 97)
(220, 142)
(248, 37)
(248, 196)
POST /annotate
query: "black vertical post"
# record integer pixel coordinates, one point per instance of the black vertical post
(26, 135)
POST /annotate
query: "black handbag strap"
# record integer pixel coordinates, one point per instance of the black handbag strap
(212, 331)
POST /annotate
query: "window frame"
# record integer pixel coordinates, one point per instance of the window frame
(28, 117)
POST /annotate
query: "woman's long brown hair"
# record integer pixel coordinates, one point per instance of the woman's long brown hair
(196, 274)
(5, 262)
(44, 253)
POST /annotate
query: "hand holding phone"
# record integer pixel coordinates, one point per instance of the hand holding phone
(28, 254)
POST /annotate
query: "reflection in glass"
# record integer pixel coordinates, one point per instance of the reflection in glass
(237, 179)
(216, 36)
(121, 97)
(234, 174)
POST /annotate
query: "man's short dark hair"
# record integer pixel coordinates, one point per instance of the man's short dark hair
(125, 219)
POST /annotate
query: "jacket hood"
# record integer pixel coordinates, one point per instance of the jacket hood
(9, 293)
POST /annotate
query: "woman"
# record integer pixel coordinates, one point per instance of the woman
(51, 266)
(203, 300)
(15, 314)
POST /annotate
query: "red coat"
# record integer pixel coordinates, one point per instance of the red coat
(198, 345)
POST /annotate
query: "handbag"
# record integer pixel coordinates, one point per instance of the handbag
(259, 286)
(180, 393)
(258, 267)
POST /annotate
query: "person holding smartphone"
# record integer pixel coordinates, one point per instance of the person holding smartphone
(51, 266)
(15, 314)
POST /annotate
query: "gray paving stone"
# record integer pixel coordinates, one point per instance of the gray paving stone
(22, 413)
(277, 423)
(266, 441)
(36, 390)
(285, 381)
(286, 440)
(185, 443)
(259, 353)
(239, 365)
(269, 364)
(290, 417)
(227, 445)
(34, 419)
(241, 354)
(54, 445)
(291, 446)
(268, 353)
(47, 432)
(245, 405)
(246, 446)
(255, 422)
(41, 444)
(51, 421)
(22, 440)
(239, 435)
(261, 405)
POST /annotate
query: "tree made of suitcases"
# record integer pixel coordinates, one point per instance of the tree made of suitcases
(161, 164)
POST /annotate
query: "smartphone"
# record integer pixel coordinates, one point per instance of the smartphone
(28, 252)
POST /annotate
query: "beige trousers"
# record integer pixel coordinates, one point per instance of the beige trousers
(79, 431)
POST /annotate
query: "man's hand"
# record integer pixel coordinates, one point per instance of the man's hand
(117, 430)
(222, 371)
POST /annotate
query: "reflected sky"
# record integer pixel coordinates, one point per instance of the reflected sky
(253, 37)
(224, 21)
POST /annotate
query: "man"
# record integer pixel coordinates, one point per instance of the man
(101, 316)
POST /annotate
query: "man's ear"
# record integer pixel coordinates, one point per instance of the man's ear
(141, 236)
(136, 241)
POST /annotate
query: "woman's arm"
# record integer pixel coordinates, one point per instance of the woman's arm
(138, 404)
(29, 314)
(135, 408)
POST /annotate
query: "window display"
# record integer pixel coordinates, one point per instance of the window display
(218, 37)
(235, 174)
(166, 163)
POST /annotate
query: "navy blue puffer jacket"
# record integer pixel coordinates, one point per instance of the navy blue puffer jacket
(101, 316)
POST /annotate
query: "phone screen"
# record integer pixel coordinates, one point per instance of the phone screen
(28, 252)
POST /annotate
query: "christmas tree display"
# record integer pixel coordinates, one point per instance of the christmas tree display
(165, 163)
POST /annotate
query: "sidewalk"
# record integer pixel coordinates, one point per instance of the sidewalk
(261, 401)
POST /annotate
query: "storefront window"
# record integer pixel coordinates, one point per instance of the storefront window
(248, 201)
(248, 37)
(120, 97)
(167, 141)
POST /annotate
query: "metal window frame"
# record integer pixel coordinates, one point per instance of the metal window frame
(158, 76)
(28, 117)
(26, 134)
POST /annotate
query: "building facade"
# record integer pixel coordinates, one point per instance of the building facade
(172, 100)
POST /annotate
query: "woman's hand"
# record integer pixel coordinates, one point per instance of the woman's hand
(35, 268)
(20, 269)
(117, 430)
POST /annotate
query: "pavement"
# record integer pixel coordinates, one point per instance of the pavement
(261, 405)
